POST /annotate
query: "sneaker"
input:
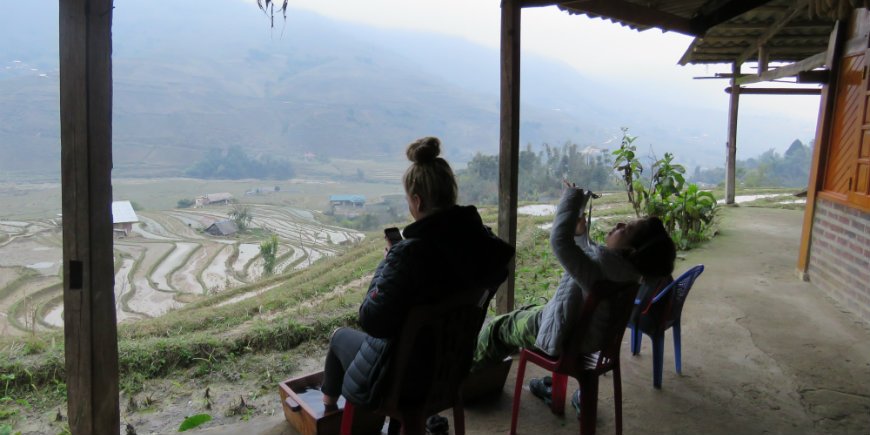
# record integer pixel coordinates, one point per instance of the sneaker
(575, 401)
(437, 425)
(542, 388)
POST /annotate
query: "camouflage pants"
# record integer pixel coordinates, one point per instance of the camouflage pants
(505, 335)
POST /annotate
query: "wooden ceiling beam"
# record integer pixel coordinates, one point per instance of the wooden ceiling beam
(741, 40)
(783, 20)
(789, 70)
(539, 3)
(773, 51)
(776, 91)
(631, 13)
(761, 27)
(716, 12)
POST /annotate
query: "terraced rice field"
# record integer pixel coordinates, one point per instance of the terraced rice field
(166, 262)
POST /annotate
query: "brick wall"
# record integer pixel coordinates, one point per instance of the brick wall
(840, 255)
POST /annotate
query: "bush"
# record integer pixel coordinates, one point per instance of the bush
(185, 203)
(687, 212)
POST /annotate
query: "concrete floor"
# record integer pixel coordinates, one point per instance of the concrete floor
(763, 353)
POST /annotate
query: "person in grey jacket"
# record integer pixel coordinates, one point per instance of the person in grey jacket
(446, 250)
(634, 251)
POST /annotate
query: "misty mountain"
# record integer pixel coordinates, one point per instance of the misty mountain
(193, 76)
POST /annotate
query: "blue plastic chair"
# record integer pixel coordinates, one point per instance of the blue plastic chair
(661, 313)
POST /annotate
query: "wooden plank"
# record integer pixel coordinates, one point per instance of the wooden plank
(792, 69)
(780, 52)
(822, 144)
(776, 91)
(777, 39)
(802, 27)
(90, 329)
(763, 58)
(774, 28)
(815, 76)
(509, 141)
(635, 14)
(731, 146)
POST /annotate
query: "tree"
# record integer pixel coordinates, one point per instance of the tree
(269, 251)
(628, 165)
(185, 203)
(241, 215)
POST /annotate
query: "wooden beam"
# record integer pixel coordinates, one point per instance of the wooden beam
(716, 12)
(776, 91)
(509, 141)
(633, 13)
(836, 47)
(816, 76)
(742, 40)
(689, 51)
(802, 27)
(90, 327)
(777, 25)
(731, 145)
(763, 57)
(789, 70)
(775, 51)
(539, 3)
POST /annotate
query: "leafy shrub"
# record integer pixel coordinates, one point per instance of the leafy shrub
(687, 212)
(269, 251)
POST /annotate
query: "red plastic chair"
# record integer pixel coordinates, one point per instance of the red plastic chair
(583, 360)
(445, 335)
(662, 312)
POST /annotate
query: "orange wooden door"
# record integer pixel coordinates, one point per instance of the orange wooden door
(860, 193)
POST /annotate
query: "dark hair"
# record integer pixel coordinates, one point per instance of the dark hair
(652, 251)
(429, 176)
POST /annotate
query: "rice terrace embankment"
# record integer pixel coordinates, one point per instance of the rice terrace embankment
(165, 262)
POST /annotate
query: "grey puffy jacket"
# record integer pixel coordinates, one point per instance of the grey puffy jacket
(584, 263)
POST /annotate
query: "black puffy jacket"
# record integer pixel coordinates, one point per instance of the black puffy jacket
(443, 253)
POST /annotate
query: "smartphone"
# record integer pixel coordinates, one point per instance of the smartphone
(392, 235)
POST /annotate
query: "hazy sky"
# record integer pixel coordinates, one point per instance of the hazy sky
(593, 46)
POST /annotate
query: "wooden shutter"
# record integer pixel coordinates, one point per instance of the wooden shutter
(846, 127)
(860, 192)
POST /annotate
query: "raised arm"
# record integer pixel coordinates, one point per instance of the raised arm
(574, 260)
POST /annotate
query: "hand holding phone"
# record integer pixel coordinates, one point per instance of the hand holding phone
(392, 235)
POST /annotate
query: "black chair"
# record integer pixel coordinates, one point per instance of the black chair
(430, 361)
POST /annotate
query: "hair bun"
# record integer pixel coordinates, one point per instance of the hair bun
(424, 150)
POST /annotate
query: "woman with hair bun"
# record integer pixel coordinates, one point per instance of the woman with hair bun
(446, 249)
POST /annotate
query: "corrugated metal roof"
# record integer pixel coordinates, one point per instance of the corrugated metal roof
(723, 40)
(122, 212)
(222, 228)
(737, 39)
(222, 196)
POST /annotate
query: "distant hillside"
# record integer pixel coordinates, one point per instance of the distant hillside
(188, 79)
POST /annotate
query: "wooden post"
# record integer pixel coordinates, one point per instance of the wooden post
(509, 141)
(822, 142)
(731, 150)
(763, 57)
(90, 328)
